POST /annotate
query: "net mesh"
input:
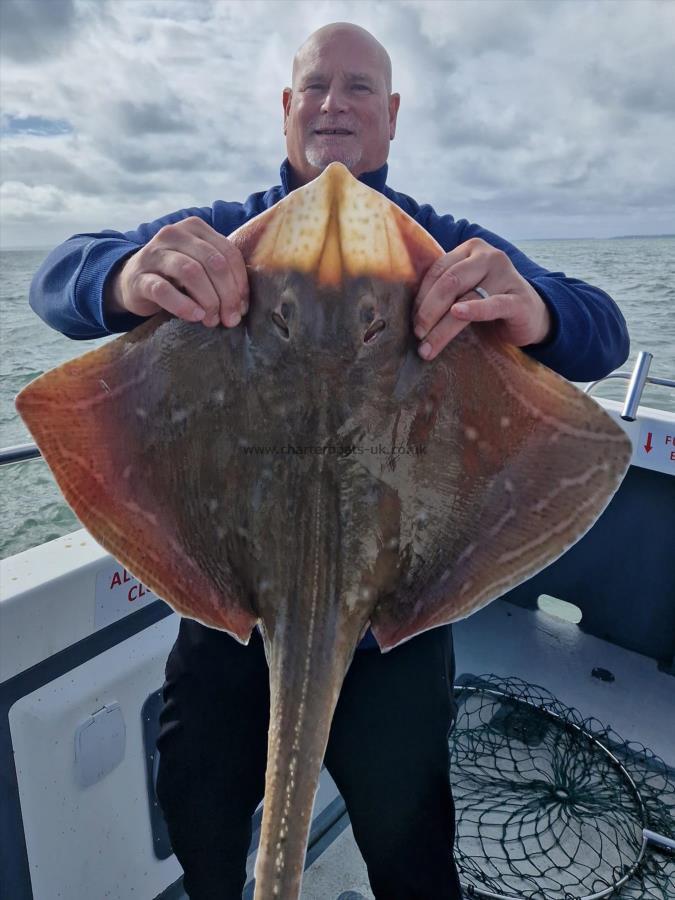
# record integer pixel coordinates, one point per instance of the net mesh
(551, 805)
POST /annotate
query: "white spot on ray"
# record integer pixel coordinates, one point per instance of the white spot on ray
(471, 433)
(213, 505)
(141, 413)
(465, 554)
(508, 515)
(179, 415)
(505, 421)
(139, 511)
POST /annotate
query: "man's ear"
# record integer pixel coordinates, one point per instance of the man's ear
(286, 95)
(394, 103)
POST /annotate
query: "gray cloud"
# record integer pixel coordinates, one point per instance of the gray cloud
(31, 28)
(134, 158)
(148, 117)
(35, 167)
(636, 90)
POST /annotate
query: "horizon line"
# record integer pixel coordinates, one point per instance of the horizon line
(611, 237)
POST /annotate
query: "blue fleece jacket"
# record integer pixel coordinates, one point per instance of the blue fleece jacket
(589, 337)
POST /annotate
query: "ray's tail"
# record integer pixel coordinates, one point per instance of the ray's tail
(304, 690)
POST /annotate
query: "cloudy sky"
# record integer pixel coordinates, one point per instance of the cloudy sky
(535, 118)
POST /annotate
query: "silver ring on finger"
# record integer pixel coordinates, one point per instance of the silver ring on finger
(481, 292)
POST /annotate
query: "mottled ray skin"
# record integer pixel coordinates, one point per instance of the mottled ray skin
(247, 475)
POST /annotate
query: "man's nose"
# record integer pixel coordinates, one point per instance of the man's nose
(334, 101)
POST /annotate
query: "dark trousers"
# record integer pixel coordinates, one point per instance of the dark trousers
(387, 753)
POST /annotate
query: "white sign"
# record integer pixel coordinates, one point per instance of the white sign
(118, 594)
(657, 445)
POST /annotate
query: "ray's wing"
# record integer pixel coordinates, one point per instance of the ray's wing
(130, 452)
(517, 465)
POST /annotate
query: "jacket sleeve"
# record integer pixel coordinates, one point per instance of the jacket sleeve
(589, 338)
(67, 290)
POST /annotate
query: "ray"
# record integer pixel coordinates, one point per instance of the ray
(306, 472)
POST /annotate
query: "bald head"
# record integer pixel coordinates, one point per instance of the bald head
(349, 32)
(340, 108)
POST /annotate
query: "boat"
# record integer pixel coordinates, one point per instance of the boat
(83, 646)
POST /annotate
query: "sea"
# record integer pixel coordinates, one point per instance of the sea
(639, 273)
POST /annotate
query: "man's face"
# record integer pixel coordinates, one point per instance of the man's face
(339, 108)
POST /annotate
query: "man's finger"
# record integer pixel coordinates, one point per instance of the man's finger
(451, 284)
(237, 268)
(220, 259)
(439, 336)
(188, 275)
(472, 309)
(161, 292)
(234, 299)
(461, 314)
(227, 288)
(436, 269)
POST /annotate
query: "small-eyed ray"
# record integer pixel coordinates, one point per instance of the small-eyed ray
(306, 472)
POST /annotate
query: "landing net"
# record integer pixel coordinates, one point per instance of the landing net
(552, 806)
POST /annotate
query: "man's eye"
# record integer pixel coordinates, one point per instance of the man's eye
(362, 87)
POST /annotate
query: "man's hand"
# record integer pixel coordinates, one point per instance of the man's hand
(187, 269)
(447, 302)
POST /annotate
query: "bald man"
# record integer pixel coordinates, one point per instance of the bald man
(388, 747)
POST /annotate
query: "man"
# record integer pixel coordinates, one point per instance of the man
(388, 748)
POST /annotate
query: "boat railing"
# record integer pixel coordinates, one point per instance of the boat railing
(18, 453)
(638, 378)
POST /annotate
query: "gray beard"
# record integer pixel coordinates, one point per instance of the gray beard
(320, 157)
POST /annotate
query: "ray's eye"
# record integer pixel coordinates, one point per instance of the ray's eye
(280, 317)
(373, 331)
(281, 323)
(367, 314)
